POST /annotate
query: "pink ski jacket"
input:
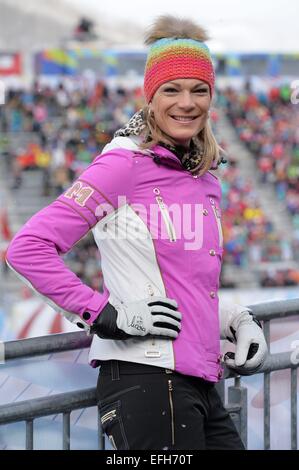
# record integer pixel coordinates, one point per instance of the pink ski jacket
(158, 230)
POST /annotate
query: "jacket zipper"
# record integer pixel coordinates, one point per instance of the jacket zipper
(217, 217)
(151, 294)
(170, 389)
(111, 439)
(167, 220)
(156, 191)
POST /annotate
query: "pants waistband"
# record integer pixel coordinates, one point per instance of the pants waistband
(116, 368)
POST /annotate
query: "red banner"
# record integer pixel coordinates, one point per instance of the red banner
(10, 64)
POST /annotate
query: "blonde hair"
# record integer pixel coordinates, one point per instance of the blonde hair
(205, 139)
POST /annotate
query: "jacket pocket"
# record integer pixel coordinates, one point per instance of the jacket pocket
(106, 399)
(113, 426)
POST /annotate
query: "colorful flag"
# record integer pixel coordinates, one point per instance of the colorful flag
(56, 62)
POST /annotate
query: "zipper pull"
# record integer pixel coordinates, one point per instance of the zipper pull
(217, 212)
(151, 294)
(167, 220)
(160, 202)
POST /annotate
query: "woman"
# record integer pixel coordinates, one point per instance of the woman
(154, 208)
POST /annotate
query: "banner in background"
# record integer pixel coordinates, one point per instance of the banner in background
(56, 62)
(10, 64)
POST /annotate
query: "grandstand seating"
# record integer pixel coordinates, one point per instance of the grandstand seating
(53, 134)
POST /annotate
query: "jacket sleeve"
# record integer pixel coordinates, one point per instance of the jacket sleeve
(34, 253)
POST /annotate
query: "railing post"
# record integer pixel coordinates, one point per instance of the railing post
(294, 388)
(29, 434)
(237, 395)
(101, 435)
(220, 387)
(66, 431)
(267, 406)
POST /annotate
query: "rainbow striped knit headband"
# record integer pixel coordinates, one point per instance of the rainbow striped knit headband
(173, 58)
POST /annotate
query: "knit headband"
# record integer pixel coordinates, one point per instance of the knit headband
(173, 58)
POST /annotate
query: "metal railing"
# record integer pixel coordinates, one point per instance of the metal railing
(267, 312)
(65, 403)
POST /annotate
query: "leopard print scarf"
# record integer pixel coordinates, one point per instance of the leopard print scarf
(190, 159)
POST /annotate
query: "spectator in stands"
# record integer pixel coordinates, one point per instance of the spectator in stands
(153, 357)
(84, 31)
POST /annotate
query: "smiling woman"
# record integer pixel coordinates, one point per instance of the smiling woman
(157, 325)
(181, 109)
(179, 84)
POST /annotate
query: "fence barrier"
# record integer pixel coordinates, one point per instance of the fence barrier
(65, 403)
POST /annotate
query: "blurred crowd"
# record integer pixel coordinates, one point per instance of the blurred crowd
(268, 123)
(249, 236)
(59, 132)
(279, 278)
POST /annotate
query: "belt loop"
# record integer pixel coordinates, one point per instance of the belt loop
(115, 370)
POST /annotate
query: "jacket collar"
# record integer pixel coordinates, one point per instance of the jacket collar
(160, 154)
(164, 156)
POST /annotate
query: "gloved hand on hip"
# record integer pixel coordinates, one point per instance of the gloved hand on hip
(245, 331)
(155, 316)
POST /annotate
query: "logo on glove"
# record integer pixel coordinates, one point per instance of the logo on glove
(137, 323)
